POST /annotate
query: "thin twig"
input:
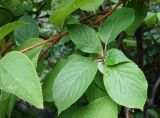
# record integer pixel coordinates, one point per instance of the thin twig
(89, 16)
(107, 14)
(54, 40)
(7, 48)
(45, 51)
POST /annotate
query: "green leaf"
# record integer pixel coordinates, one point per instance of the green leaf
(141, 9)
(68, 113)
(27, 32)
(115, 1)
(138, 115)
(151, 19)
(101, 67)
(96, 89)
(34, 53)
(85, 38)
(12, 5)
(49, 80)
(98, 81)
(115, 56)
(19, 77)
(72, 20)
(115, 24)
(10, 105)
(3, 105)
(5, 16)
(93, 5)
(7, 102)
(4, 96)
(94, 92)
(129, 43)
(72, 81)
(6, 29)
(101, 108)
(64, 10)
(158, 16)
(126, 85)
(153, 113)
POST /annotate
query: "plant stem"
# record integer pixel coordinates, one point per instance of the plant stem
(54, 40)
(107, 14)
(127, 113)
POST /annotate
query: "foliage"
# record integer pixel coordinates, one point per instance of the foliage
(89, 64)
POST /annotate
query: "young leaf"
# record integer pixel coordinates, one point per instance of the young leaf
(101, 108)
(19, 77)
(6, 29)
(73, 80)
(115, 56)
(126, 85)
(93, 5)
(26, 32)
(115, 24)
(85, 38)
(140, 13)
(34, 53)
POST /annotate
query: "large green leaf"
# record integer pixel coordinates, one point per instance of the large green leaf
(140, 8)
(101, 108)
(93, 5)
(6, 29)
(27, 32)
(19, 77)
(49, 81)
(126, 85)
(85, 38)
(63, 10)
(73, 80)
(115, 56)
(115, 24)
(34, 53)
